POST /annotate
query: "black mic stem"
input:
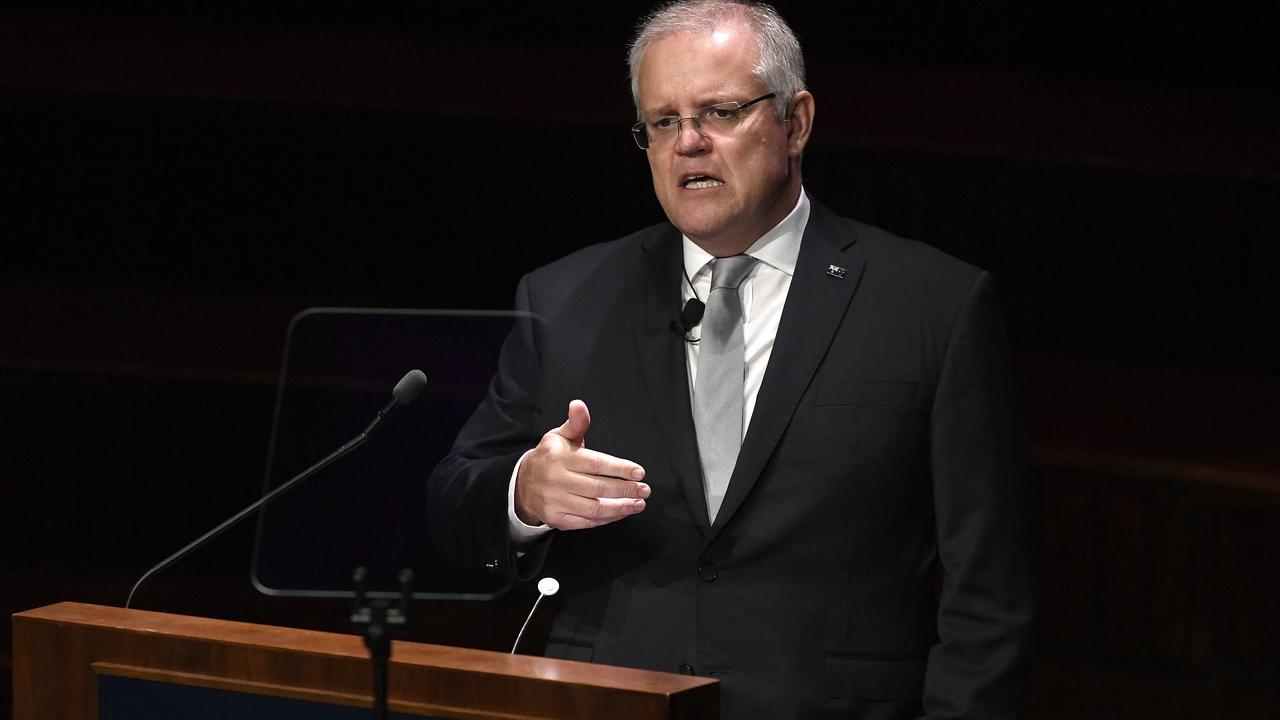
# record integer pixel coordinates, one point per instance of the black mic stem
(412, 380)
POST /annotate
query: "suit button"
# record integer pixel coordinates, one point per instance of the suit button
(708, 572)
(686, 669)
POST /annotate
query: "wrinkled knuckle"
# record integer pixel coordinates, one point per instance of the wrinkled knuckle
(600, 488)
(597, 466)
(549, 444)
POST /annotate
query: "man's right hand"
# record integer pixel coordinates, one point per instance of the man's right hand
(565, 485)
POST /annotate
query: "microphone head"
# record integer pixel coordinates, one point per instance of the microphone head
(691, 315)
(548, 586)
(410, 387)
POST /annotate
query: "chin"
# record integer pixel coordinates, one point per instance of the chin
(702, 234)
(700, 226)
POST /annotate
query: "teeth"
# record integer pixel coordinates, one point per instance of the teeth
(702, 182)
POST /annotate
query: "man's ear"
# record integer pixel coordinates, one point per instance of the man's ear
(800, 123)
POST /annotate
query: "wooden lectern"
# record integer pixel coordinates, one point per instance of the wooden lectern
(79, 661)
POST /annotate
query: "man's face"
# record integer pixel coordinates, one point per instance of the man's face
(725, 191)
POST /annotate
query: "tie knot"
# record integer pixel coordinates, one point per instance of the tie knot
(729, 272)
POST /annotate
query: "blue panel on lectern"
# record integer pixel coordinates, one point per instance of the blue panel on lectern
(130, 699)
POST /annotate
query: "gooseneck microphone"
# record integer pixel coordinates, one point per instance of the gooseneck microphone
(547, 587)
(405, 392)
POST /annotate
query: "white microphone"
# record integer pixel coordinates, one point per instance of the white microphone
(547, 587)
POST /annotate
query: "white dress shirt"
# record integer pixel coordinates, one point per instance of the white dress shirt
(763, 294)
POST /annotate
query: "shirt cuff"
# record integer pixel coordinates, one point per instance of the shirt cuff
(521, 533)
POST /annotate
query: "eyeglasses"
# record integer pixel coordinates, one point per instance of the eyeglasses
(720, 119)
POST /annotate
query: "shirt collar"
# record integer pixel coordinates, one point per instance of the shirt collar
(779, 248)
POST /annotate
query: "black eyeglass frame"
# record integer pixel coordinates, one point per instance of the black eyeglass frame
(641, 135)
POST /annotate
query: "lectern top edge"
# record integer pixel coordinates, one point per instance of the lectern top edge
(231, 632)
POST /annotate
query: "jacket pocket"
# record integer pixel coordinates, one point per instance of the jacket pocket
(851, 677)
(570, 650)
(877, 393)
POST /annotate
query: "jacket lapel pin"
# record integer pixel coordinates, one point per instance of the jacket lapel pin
(836, 271)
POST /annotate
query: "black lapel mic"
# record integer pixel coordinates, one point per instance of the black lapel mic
(405, 392)
(691, 315)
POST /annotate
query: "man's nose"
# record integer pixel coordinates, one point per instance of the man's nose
(690, 138)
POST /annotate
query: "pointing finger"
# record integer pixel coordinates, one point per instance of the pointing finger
(591, 462)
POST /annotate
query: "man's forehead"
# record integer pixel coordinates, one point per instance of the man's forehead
(697, 68)
(732, 35)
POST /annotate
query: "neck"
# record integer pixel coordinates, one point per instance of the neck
(723, 248)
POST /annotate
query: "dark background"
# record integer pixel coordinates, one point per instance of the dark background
(178, 179)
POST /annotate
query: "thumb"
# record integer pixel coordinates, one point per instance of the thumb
(575, 427)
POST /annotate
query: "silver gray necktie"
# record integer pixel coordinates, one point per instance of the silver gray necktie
(717, 391)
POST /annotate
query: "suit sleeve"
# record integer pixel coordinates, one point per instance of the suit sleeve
(986, 510)
(467, 491)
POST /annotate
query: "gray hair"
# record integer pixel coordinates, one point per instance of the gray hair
(779, 61)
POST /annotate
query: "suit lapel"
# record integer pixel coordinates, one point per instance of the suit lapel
(655, 297)
(815, 304)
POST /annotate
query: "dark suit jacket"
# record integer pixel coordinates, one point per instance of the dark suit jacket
(885, 438)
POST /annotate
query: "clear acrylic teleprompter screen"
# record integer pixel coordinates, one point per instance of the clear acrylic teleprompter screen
(369, 508)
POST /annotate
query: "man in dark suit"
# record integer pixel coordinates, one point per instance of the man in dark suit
(767, 493)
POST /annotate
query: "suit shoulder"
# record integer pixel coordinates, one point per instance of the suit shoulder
(595, 272)
(585, 261)
(911, 258)
(908, 275)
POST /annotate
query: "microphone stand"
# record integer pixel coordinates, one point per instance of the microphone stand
(379, 622)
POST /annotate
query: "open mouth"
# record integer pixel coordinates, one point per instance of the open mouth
(700, 182)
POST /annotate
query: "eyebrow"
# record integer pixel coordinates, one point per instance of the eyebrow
(668, 111)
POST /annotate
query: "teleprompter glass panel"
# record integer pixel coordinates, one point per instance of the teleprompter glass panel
(369, 509)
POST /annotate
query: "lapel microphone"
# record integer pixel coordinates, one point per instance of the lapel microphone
(690, 314)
